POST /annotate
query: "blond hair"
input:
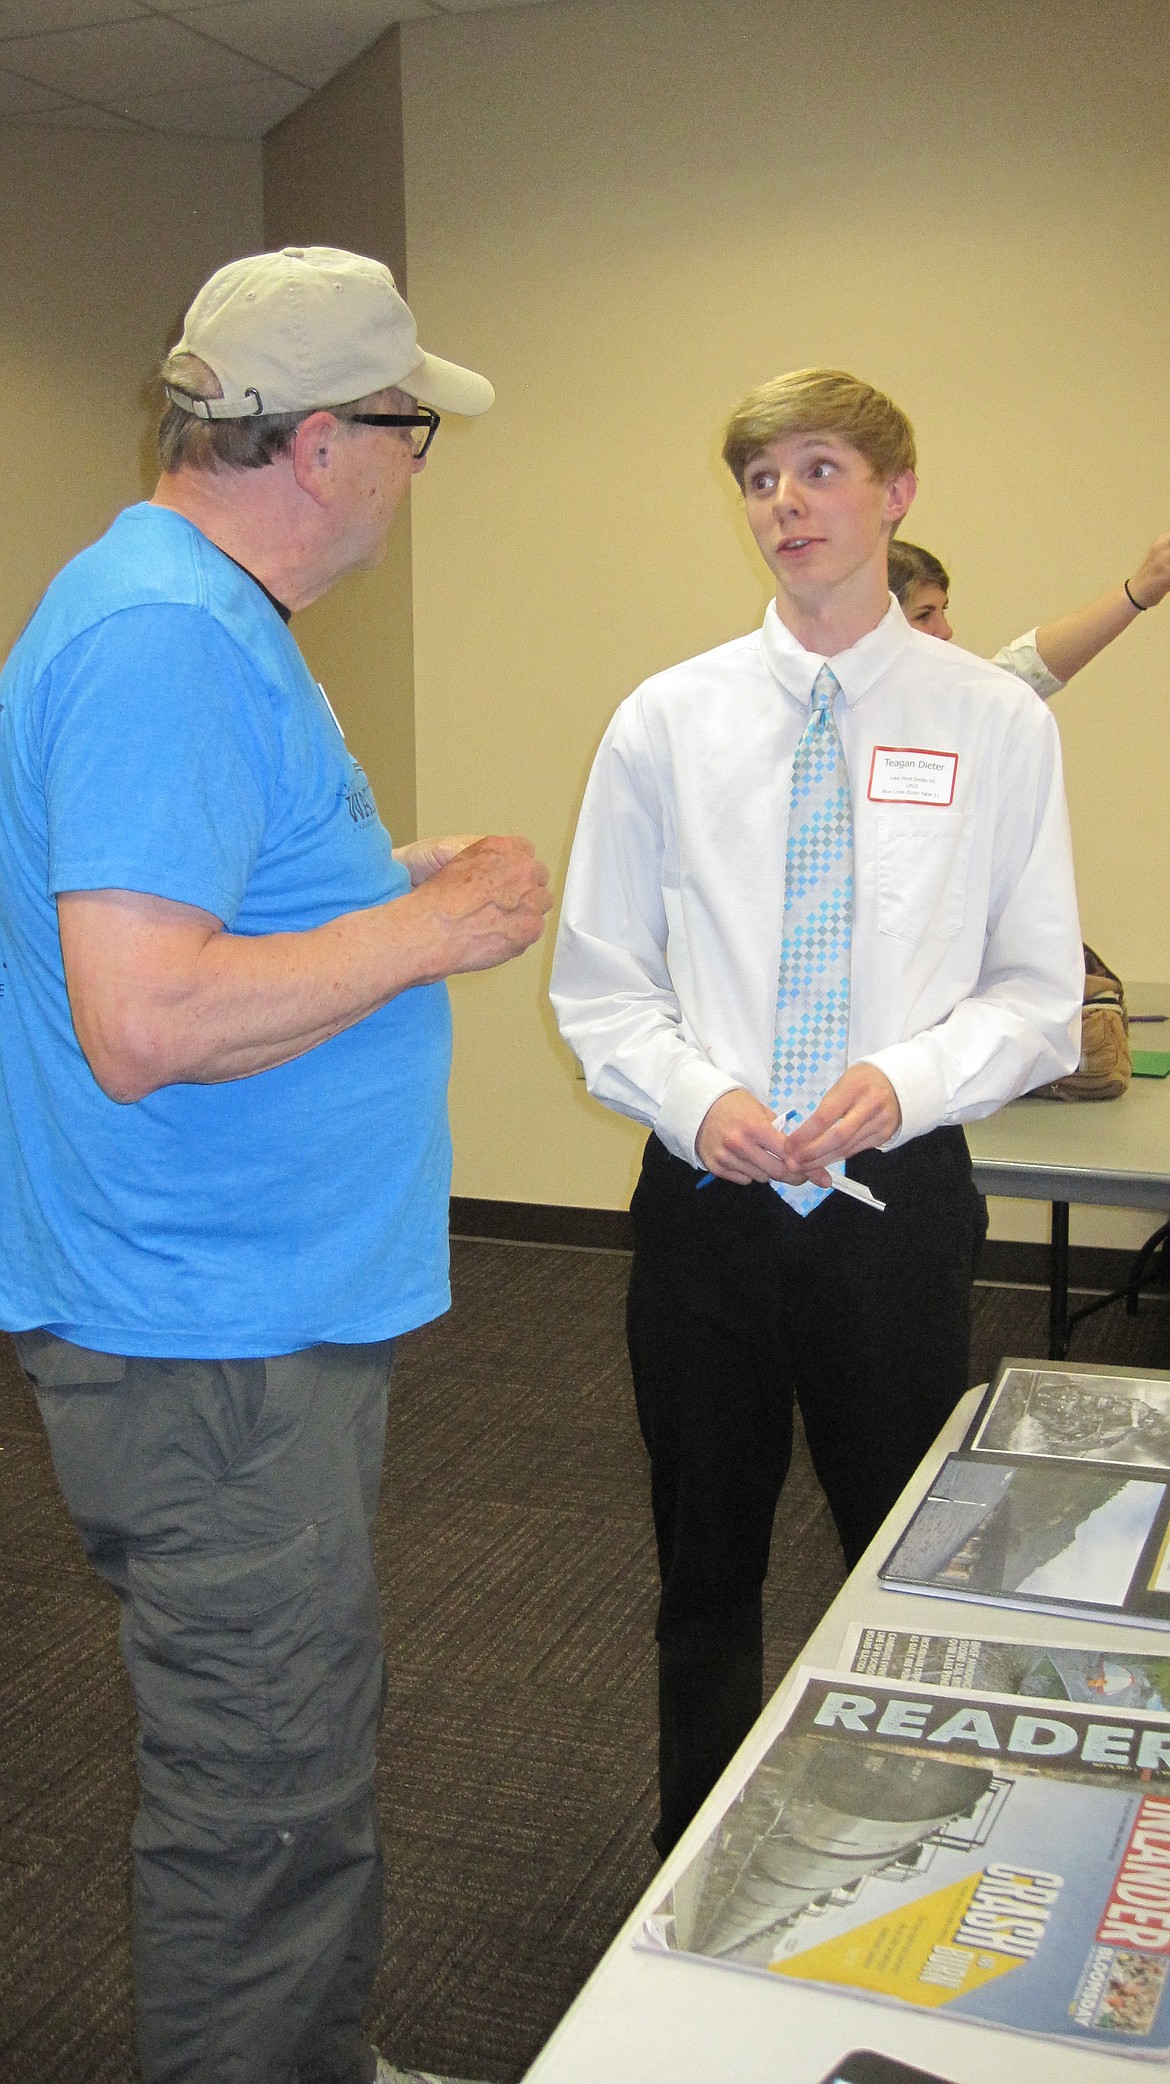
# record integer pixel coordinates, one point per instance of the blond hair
(821, 401)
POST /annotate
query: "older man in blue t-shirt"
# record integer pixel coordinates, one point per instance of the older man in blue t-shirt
(224, 1155)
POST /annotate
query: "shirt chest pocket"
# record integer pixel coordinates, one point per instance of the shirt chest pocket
(923, 862)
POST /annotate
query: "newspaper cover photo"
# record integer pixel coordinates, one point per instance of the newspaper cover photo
(990, 1857)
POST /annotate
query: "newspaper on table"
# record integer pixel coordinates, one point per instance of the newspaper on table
(1115, 1677)
(996, 1859)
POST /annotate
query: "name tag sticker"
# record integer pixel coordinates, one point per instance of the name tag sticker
(912, 774)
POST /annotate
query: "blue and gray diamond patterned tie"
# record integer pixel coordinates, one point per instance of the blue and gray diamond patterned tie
(809, 1052)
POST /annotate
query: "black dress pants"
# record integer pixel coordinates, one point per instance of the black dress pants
(736, 1306)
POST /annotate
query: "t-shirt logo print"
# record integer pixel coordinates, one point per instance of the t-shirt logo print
(812, 993)
(359, 798)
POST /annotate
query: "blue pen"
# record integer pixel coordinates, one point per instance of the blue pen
(707, 1178)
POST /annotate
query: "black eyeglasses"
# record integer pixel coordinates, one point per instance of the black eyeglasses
(424, 422)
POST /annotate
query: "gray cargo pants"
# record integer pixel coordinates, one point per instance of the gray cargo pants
(230, 1505)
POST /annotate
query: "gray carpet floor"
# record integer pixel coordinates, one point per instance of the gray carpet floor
(517, 1761)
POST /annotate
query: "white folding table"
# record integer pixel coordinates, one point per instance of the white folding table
(1115, 1153)
(647, 2018)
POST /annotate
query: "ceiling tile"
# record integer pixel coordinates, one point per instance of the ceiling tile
(300, 37)
(483, 6)
(230, 110)
(103, 65)
(215, 68)
(23, 97)
(281, 10)
(80, 115)
(27, 17)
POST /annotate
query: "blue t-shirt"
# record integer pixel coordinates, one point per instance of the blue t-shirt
(160, 732)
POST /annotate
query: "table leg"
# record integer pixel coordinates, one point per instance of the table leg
(1058, 1283)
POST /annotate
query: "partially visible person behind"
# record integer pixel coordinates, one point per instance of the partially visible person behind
(1047, 657)
(224, 1151)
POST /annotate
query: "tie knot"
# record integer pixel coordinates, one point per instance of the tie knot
(825, 686)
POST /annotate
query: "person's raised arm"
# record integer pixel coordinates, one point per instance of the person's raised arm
(1072, 640)
(162, 995)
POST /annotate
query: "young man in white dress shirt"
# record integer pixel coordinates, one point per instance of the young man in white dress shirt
(964, 979)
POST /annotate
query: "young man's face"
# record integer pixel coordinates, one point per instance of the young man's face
(821, 519)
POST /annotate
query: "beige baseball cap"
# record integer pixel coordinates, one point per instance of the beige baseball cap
(309, 326)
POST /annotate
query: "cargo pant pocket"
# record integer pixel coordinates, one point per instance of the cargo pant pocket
(227, 1653)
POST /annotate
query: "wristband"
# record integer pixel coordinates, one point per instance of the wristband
(1139, 605)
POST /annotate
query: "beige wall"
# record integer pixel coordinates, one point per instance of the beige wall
(103, 241)
(627, 211)
(627, 214)
(333, 177)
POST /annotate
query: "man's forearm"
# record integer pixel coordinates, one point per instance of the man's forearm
(251, 1002)
(162, 995)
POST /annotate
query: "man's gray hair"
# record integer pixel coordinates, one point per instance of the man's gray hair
(187, 441)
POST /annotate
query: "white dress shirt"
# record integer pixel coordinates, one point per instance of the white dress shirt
(1022, 658)
(966, 971)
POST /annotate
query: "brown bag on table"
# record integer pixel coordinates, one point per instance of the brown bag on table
(1105, 1069)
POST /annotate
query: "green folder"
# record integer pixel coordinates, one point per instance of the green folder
(1151, 1063)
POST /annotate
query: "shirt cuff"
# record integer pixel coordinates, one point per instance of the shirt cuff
(1022, 658)
(918, 1084)
(691, 1093)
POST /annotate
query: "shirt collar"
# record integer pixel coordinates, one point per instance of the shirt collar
(856, 669)
(284, 613)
